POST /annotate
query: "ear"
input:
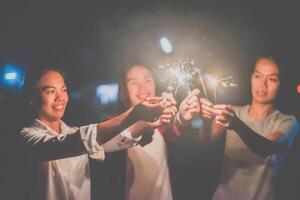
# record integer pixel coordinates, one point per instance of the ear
(35, 101)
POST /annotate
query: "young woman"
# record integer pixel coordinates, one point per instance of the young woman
(257, 136)
(62, 151)
(145, 167)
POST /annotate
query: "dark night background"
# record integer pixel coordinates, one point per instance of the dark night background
(92, 40)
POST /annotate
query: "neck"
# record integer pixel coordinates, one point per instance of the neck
(260, 111)
(54, 125)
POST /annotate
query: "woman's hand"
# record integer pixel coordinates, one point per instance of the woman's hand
(206, 108)
(189, 108)
(223, 114)
(169, 110)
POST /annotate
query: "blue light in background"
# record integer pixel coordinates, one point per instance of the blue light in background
(197, 122)
(12, 77)
(107, 93)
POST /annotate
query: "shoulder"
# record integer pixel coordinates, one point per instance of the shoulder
(32, 134)
(280, 118)
(31, 130)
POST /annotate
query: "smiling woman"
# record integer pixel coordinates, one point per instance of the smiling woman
(53, 94)
(63, 152)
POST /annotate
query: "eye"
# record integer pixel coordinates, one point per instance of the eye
(149, 80)
(275, 80)
(256, 75)
(50, 91)
(132, 83)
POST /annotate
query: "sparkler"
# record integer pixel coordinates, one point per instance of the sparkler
(182, 73)
(214, 82)
(199, 71)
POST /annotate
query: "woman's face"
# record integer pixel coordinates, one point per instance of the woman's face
(54, 96)
(140, 84)
(265, 81)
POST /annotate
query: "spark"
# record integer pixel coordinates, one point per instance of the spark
(182, 73)
(199, 71)
(213, 81)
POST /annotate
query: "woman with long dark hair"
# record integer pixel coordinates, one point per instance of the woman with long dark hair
(61, 151)
(257, 137)
(145, 167)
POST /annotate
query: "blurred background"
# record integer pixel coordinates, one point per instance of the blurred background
(93, 40)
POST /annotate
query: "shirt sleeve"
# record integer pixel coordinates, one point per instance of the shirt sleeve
(45, 147)
(88, 136)
(121, 141)
(289, 128)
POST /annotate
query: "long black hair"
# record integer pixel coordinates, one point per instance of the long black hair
(281, 75)
(31, 93)
(123, 98)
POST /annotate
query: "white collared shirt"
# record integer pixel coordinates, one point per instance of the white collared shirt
(148, 176)
(64, 158)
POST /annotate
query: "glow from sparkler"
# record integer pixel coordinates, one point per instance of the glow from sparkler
(213, 82)
(199, 71)
(182, 73)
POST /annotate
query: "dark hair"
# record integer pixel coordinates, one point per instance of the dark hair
(31, 91)
(123, 98)
(281, 75)
(271, 58)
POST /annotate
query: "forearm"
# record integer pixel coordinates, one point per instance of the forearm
(138, 128)
(45, 149)
(257, 143)
(206, 131)
(210, 131)
(127, 138)
(178, 127)
(110, 128)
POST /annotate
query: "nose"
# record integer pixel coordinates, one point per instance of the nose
(141, 87)
(264, 83)
(59, 96)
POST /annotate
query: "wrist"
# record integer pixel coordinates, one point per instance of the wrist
(179, 121)
(233, 123)
(142, 112)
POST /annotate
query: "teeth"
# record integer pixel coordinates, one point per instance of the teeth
(58, 107)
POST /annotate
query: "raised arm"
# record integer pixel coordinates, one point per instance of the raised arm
(141, 132)
(277, 141)
(148, 110)
(43, 144)
(210, 131)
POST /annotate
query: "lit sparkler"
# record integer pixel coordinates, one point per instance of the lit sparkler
(182, 73)
(213, 81)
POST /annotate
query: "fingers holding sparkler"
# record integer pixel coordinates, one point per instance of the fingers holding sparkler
(206, 108)
(168, 98)
(224, 114)
(169, 109)
(189, 108)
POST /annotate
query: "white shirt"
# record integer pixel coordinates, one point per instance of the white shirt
(148, 172)
(64, 167)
